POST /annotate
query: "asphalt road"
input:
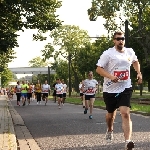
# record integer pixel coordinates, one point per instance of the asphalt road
(69, 129)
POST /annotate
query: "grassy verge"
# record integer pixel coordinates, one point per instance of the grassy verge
(135, 94)
(100, 103)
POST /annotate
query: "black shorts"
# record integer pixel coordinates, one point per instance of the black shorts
(113, 101)
(54, 93)
(64, 94)
(29, 95)
(45, 95)
(88, 97)
(81, 94)
(60, 95)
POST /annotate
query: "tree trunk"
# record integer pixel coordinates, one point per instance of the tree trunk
(76, 79)
(149, 85)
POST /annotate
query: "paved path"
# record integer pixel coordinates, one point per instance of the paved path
(69, 129)
(7, 134)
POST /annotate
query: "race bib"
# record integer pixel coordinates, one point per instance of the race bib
(59, 90)
(122, 74)
(45, 90)
(90, 90)
(18, 90)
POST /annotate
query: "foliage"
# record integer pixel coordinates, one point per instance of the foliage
(87, 58)
(38, 62)
(70, 40)
(17, 15)
(115, 13)
(6, 77)
(5, 58)
(61, 68)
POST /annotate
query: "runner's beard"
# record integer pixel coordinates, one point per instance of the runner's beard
(120, 47)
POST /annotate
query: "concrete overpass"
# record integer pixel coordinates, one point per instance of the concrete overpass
(32, 70)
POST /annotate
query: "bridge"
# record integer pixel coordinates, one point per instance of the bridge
(32, 70)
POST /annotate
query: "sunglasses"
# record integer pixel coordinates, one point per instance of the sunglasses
(120, 38)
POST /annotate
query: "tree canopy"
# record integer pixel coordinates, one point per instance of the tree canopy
(18, 15)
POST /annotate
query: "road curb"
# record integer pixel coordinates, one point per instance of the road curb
(25, 140)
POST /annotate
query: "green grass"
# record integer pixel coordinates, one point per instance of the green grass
(75, 99)
(140, 108)
(100, 103)
(135, 94)
(143, 96)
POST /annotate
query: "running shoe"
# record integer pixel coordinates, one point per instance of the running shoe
(85, 111)
(90, 117)
(109, 136)
(24, 104)
(129, 145)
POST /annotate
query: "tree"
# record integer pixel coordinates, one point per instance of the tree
(17, 15)
(5, 58)
(114, 10)
(38, 62)
(88, 56)
(70, 40)
(6, 77)
(136, 12)
(61, 68)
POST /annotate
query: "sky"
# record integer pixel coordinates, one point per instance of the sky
(72, 12)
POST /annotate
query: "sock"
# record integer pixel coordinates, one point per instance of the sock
(127, 141)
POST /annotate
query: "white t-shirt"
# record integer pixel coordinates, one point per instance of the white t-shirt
(117, 64)
(90, 86)
(59, 88)
(18, 88)
(64, 88)
(80, 86)
(32, 86)
(45, 88)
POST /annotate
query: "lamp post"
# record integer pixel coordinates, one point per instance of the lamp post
(69, 73)
(49, 77)
(126, 34)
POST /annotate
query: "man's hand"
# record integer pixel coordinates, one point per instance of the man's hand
(114, 79)
(139, 77)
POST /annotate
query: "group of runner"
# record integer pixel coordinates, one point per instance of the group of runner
(26, 92)
(114, 65)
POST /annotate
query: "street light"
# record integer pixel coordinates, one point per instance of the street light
(69, 73)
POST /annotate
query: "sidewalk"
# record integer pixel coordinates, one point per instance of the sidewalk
(14, 135)
(7, 133)
(24, 138)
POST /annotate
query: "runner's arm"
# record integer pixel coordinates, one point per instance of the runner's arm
(136, 66)
(104, 73)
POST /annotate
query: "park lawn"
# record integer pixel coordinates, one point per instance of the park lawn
(100, 103)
